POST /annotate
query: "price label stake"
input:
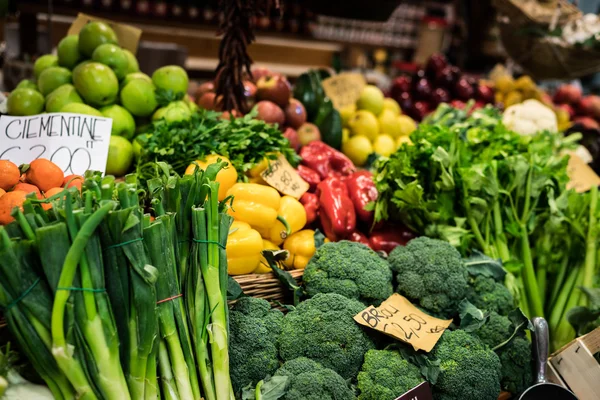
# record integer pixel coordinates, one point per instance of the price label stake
(419, 392)
(283, 177)
(398, 318)
(74, 142)
(344, 89)
(581, 176)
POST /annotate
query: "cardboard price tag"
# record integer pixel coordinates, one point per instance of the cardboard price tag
(129, 36)
(419, 392)
(344, 89)
(283, 177)
(582, 176)
(74, 142)
(397, 317)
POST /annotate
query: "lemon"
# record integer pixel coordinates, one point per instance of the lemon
(403, 139)
(505, 84)
(358, 148)
(407, 125)
(345, 135)
(384, 145)
(392, 105)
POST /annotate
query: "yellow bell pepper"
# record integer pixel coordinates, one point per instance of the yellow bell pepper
(301, 246)
(258, 168)
(227, 177)
(294, 214)
(243, 249)
(263, 265)
(256, 205)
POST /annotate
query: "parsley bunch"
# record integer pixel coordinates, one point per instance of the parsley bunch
(246, 141)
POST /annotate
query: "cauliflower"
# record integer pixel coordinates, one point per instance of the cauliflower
(530, 117)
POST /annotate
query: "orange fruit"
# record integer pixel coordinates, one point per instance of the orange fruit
(73, 181)
(28, 188)
(9, 201)
(2, 192)
(44, 174)
(9, 174)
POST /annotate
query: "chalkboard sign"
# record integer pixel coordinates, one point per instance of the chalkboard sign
(74, 142)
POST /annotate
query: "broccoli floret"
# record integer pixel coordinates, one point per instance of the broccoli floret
(254, 329)
(309, 380)
(515, 357)
(323, 329)
(487, 294)
(469, 370)
(350, 269)
(386, 374)
(431, 274)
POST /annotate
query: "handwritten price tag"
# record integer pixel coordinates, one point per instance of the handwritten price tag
(283, 177)
(74, 142)
(397, 317)
(420, 392)
(581, 175)
(344, 89)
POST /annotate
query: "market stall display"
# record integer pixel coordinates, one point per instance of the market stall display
(293, 239)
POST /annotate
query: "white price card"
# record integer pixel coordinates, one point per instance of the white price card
(74, 142)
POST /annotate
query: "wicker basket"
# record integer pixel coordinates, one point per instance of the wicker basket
(537, 11)
(266, 286)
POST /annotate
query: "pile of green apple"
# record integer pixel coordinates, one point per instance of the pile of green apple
(375, 124)
(92, 75)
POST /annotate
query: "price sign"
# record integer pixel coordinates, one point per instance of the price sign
(74, 142)
(582, 177)
(420, 392)
(397, 317)
(344, 89)
(283, 177)
(129, 36)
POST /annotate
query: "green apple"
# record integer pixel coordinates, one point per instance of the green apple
(171, 77)
(138, 98)
(123, 123)
(44, 62)
(388, 123)
(114, 57)
(364, 123)
(371, 99)
(132, 64)
(62, 96)
(174, 112)
(97, 84)
(190, 103)
(135, 75)
(93, 34)
(25, 101)
(392, 105)
(80, 108)
(120, 156)
(27, 84)
(52, 78)
(68, 51)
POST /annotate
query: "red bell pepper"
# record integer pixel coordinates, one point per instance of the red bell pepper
(337, 215)
(389, 237)
(362, 191)
(326, 160)
(357, 236)
(310, 176)
(310, 201)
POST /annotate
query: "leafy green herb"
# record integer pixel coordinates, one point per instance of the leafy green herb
(471, 317)
(164, 96)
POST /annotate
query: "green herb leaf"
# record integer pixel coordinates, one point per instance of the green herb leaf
(471, 317)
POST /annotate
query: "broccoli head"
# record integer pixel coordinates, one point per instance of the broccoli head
(309, 380)
(486, 293)
(515, 357)
(431, 274)
(350, 269)
(469, 370)
(254, 329)
(323, 329)
(385, 374)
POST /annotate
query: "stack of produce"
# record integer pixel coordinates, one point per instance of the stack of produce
(93, 75)
(480, 186)
(584, 110)
(322, 350)
(439, 82)
(374, 125)
(110, 303)
(41, 177)
(511, 91)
